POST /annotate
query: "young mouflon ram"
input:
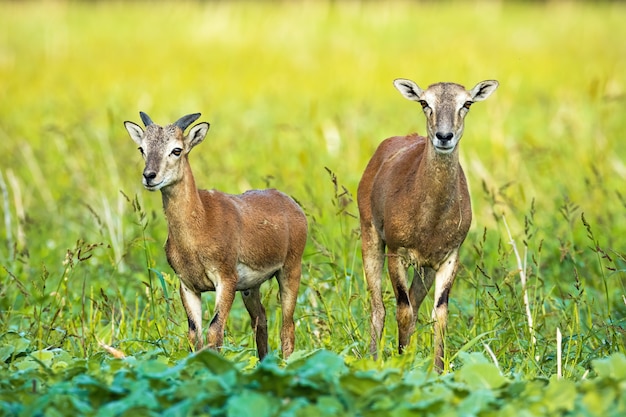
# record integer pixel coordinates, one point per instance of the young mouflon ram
(222, 242)
(413, 200)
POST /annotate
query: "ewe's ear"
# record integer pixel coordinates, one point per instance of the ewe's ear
(408, 89)
(197, 134)
(483, 90)
(135, 132)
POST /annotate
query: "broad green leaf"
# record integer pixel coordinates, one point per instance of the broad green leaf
(17, 343)
(476, 402)
(26, 364)
(360, 383)
(6, 352)
(140, 397)
(10, 408)
(613, 367)
(506, 409)
(154, 369)
(329, 405)
(44, 356)
(560, 395)
(480, 375)
(212, 361)
(599, 400)
(269, 376)
(297, 355)
(301, 407)
(322, 362)
(180, 408)
(431, 397)
(251, 404)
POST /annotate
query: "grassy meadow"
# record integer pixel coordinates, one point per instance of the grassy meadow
(299, 95)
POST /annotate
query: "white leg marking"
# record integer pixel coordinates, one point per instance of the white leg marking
(193, 307)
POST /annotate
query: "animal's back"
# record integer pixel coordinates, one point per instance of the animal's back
(390, 154)
(270, 220)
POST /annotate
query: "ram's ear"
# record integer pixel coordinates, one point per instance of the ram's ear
(483, 90)
(196, 134)
(408, 89)
(135, 131)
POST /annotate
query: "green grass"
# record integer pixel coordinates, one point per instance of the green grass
(298, 96)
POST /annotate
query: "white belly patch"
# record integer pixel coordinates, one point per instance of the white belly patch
(250, 278)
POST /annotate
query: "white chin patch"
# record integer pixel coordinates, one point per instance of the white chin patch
(153, 187)
(444, 150)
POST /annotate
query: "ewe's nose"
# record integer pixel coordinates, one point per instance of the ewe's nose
(444, 136)
(149, 176)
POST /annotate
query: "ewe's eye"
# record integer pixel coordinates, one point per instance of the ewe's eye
(141, 150)
(424, 104)
(467, 104)
(177, 151)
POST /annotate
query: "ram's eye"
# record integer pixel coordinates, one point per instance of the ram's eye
(176, 151)
(468, 104)
(424, 104)
(141, 150)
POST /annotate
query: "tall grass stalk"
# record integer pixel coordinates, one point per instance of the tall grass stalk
(559, 354)
(8, 222)
(142, 222)
(20, 214)
(522, 274)
(493, 356)
(600, 254)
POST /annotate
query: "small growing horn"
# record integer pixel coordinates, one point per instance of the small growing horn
(185, 121)
(145, 119)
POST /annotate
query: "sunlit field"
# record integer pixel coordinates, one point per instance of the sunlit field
(299, 95)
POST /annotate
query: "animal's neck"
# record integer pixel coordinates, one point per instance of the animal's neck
(181, 201)
(438, 181)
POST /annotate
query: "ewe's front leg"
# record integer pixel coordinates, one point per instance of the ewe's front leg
(192, 303)
(224, 297)
(404, 311)
(443, 283)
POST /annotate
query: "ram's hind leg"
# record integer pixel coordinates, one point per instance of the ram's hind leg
(252, 301)
(373, 249)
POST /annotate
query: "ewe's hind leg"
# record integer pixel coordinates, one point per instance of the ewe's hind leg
(373, 249)
(443, 283)
(423, 279)
(288, 283)
(252, 301)
(193, 307)
(404, 311)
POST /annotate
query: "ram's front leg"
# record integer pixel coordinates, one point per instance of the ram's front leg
(192, 303)
(224, 297)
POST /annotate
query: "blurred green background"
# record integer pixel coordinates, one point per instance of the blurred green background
(299, 94)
